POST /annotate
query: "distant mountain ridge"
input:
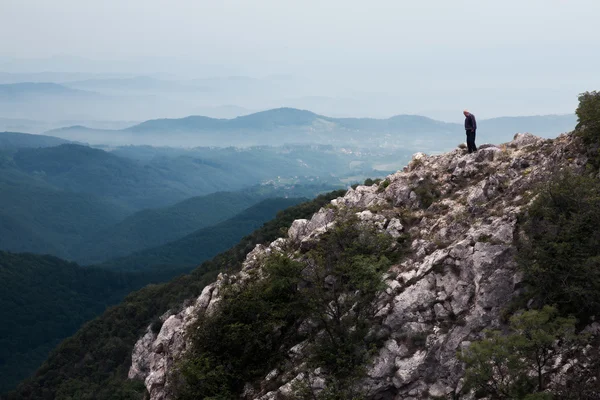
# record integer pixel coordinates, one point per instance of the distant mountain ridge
(289, 125)
(284, 117)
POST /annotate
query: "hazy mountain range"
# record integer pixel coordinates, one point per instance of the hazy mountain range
(142, 96)
(287, 125)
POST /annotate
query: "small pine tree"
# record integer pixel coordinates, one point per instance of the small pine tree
(521, 364)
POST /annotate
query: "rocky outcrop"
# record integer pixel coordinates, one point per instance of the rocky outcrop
(460, 212)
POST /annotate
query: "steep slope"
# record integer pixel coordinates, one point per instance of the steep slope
(55, 297)
(204, 243)
(459, 214)
(104, 345)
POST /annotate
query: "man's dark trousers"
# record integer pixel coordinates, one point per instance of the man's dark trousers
(471, 141)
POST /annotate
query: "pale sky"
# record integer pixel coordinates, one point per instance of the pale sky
(377, 46)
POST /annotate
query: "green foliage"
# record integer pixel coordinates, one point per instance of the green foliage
(93, 363)
(559, 252)
(588, 126)
(334, 287)
(155, 227)
(245, 336)
(37, 217)
(519, 365)
(49, 316)
(344, 279)
(77, 202)
(588, 114)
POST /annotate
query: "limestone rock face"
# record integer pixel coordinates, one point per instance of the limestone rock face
(459, 274)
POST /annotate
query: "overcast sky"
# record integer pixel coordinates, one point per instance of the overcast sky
(380, 46)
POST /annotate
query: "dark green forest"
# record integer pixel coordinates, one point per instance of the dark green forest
(93, 363)
(44, 299)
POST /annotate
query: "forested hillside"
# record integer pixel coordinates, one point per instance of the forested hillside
(154, 227)
(202, 244)
(41, 218)
(89, 205)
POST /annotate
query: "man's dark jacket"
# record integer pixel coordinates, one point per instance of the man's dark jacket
(470, 123)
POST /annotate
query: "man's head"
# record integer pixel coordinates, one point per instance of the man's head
(466, 112)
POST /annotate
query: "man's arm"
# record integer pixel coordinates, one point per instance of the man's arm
(474, 122)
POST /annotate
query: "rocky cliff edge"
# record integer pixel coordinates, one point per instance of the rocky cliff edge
(460, 212)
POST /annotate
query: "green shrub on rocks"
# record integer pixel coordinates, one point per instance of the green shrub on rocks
(559, 251)
(242, 339)
(588, 114)
(333, 287)
(588, 126)
(519, 365)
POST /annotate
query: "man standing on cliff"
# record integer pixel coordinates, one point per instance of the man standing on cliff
(470, 128)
